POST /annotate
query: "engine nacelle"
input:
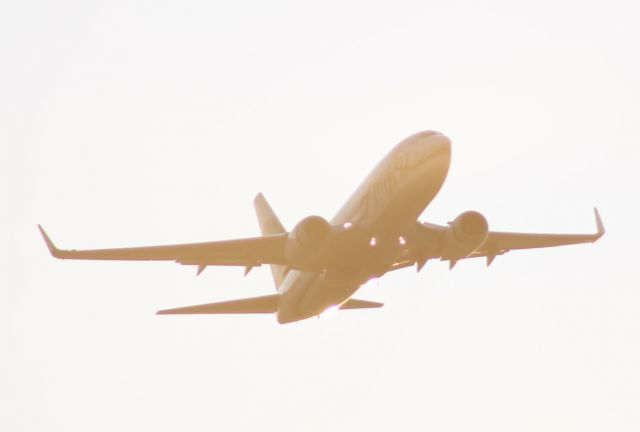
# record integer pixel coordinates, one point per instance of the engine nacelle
(307, 240)
(466, 233)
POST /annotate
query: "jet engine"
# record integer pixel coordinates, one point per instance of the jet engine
(307, 240)
(466, 233)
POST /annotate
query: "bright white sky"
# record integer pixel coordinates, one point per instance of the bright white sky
(137, 123)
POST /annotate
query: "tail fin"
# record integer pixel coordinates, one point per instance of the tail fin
(269, 224)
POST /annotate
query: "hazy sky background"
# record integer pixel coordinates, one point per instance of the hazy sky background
(136, 123)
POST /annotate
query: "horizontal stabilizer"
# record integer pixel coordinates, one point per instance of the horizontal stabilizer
(360, 304)
(253, 305)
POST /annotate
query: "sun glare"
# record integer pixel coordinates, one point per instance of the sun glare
(331, 311)
(372, 283)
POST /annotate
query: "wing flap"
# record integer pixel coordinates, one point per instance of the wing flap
(253, 305)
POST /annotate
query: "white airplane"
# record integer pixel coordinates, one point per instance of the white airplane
(320, 264)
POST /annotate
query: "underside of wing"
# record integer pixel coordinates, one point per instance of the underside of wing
(253, 305)
(434, 241)
(498, 243)
(242, 252)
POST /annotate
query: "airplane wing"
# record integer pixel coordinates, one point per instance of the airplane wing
(248, 252)
(498, 243)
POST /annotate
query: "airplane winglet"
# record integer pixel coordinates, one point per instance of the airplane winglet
(599, 225)
(52, 248)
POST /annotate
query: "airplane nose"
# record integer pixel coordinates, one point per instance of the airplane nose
(430, 143)
(441, 142)
(423, 147)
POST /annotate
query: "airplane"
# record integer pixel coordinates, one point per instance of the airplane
(320, 264)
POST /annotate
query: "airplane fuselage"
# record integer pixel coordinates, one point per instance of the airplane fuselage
(319, 264)
(378, 220)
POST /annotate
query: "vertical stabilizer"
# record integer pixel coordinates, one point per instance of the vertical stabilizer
(269, 224)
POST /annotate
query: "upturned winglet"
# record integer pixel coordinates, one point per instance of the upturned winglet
(599, 225)
(52, 248)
